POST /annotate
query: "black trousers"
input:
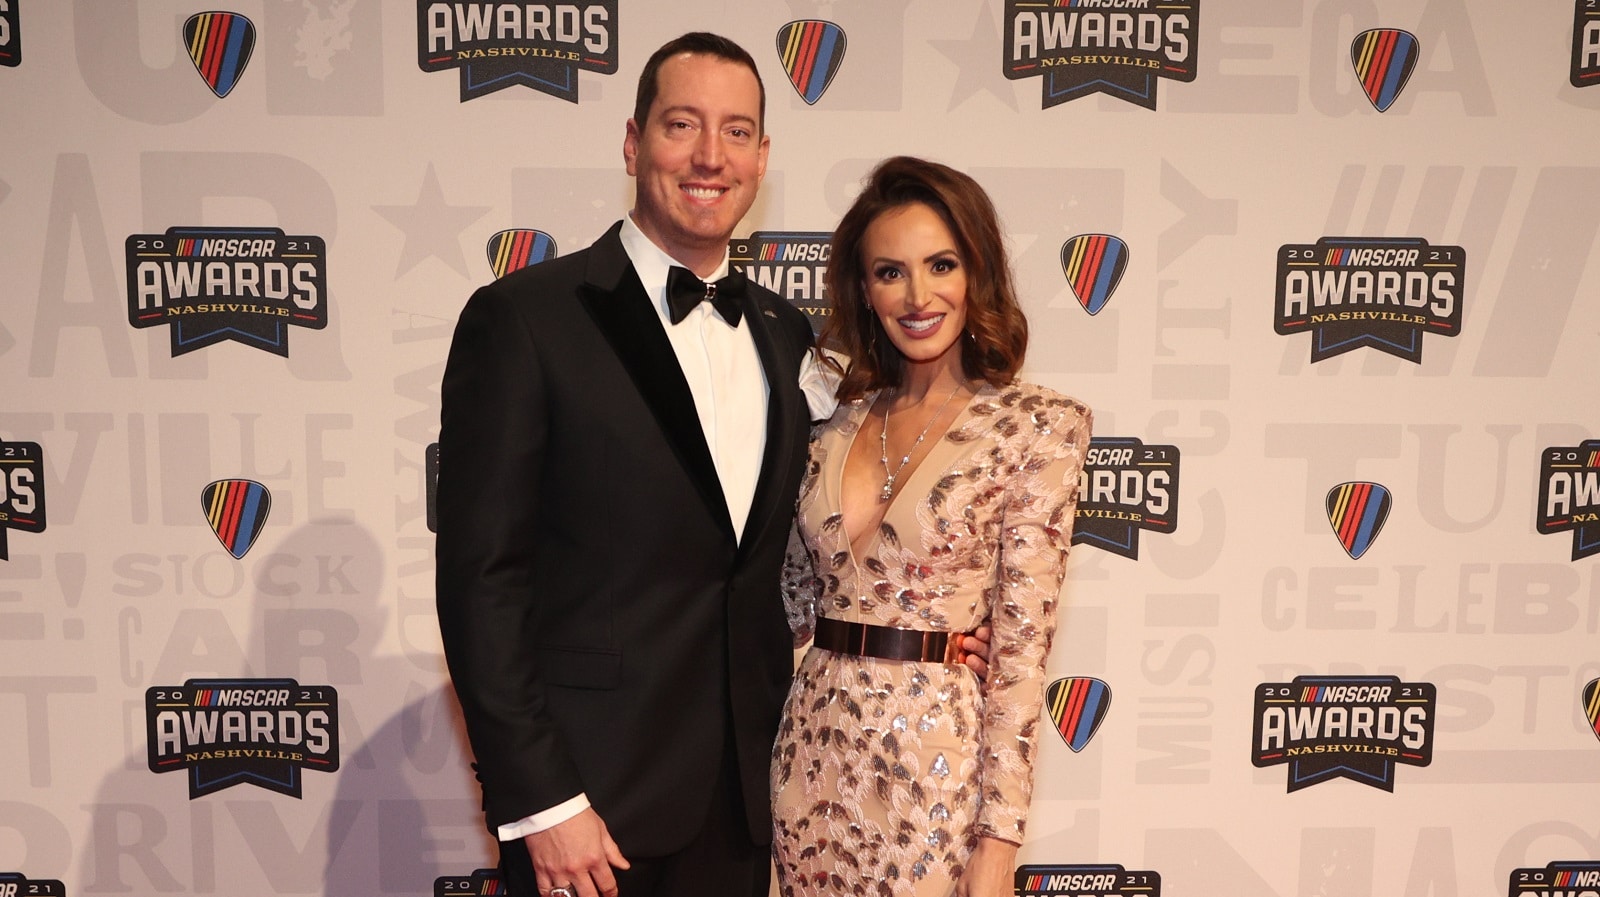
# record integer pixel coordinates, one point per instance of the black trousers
(721, 860)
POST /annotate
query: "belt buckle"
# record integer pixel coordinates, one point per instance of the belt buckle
(954, 654)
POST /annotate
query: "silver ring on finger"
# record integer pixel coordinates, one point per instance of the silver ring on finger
(562, 891)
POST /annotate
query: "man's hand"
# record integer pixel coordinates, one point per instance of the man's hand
(977, 647)
(577, 854)
(989, 872)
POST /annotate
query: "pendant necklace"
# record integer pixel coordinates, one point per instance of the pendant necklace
(883, 445)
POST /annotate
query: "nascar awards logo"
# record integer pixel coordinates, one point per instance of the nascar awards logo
(1077, 705)
(236, 511)
(15, 884)
(479, 883)
(1383, 59)
(1569, 495)
(1353, 727)
(1116, 47)
(518, 248)
(1585, 43)
(21, 491)
(1100, 880)
(1349, 292)
(1093, 264)
(1579, 878)
(219, 45)
(10, 34)
(1126, 487)
(811, 51)
(228, 732)
(211, 284)
(538, 45)
(1357, 512)
(789, 263)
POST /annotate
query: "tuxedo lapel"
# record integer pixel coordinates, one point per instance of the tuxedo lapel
(783, 396)
(620, 307)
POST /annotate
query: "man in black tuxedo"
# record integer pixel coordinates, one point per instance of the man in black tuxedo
(618, 477)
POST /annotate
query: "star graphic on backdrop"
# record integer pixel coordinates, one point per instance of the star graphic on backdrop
(978, 60)
(432, 226)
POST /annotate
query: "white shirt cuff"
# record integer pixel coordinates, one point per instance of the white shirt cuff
(544, 819)
(820, 382)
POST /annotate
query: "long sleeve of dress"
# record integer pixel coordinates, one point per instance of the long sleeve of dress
(799, 583)
(800, 587)
(1035, 532)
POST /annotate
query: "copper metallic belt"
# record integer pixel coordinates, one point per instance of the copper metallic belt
(889, 643)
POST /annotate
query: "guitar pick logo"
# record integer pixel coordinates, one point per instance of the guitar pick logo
(515, 249)
(1077, 706)
(1357, 512)
(236, 510)
(219, 46)
(1383, 59)
(1094, 264)
(1591, 705)
(811, 51)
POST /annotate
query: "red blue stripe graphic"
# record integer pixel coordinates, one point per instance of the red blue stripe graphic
(1357, 512)
(236, 510)
(1591, 705)
(811, 51)
(513, 250)
(1383, 60)
(1093, 264)
(219, 44)
(1077, 705)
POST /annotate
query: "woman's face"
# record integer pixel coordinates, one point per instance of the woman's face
(916, 282)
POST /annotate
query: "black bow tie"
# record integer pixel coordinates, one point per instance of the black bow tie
(685, 291)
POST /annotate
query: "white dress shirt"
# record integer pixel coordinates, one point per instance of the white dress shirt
(730, 395)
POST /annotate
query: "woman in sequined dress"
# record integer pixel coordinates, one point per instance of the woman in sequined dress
(939, 498)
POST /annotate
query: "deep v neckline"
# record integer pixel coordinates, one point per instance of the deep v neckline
(906, 486)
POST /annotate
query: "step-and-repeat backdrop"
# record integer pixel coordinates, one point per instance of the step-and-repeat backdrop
(1322, 267)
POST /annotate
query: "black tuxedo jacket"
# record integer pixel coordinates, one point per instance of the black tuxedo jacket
(603, 627)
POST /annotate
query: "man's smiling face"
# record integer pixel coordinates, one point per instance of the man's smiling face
(699, 158)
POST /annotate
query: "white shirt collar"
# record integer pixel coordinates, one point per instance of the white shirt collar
(651, 263)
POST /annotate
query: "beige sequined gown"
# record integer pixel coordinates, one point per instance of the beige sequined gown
(885, 773)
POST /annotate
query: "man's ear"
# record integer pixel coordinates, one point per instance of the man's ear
(630, 147)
